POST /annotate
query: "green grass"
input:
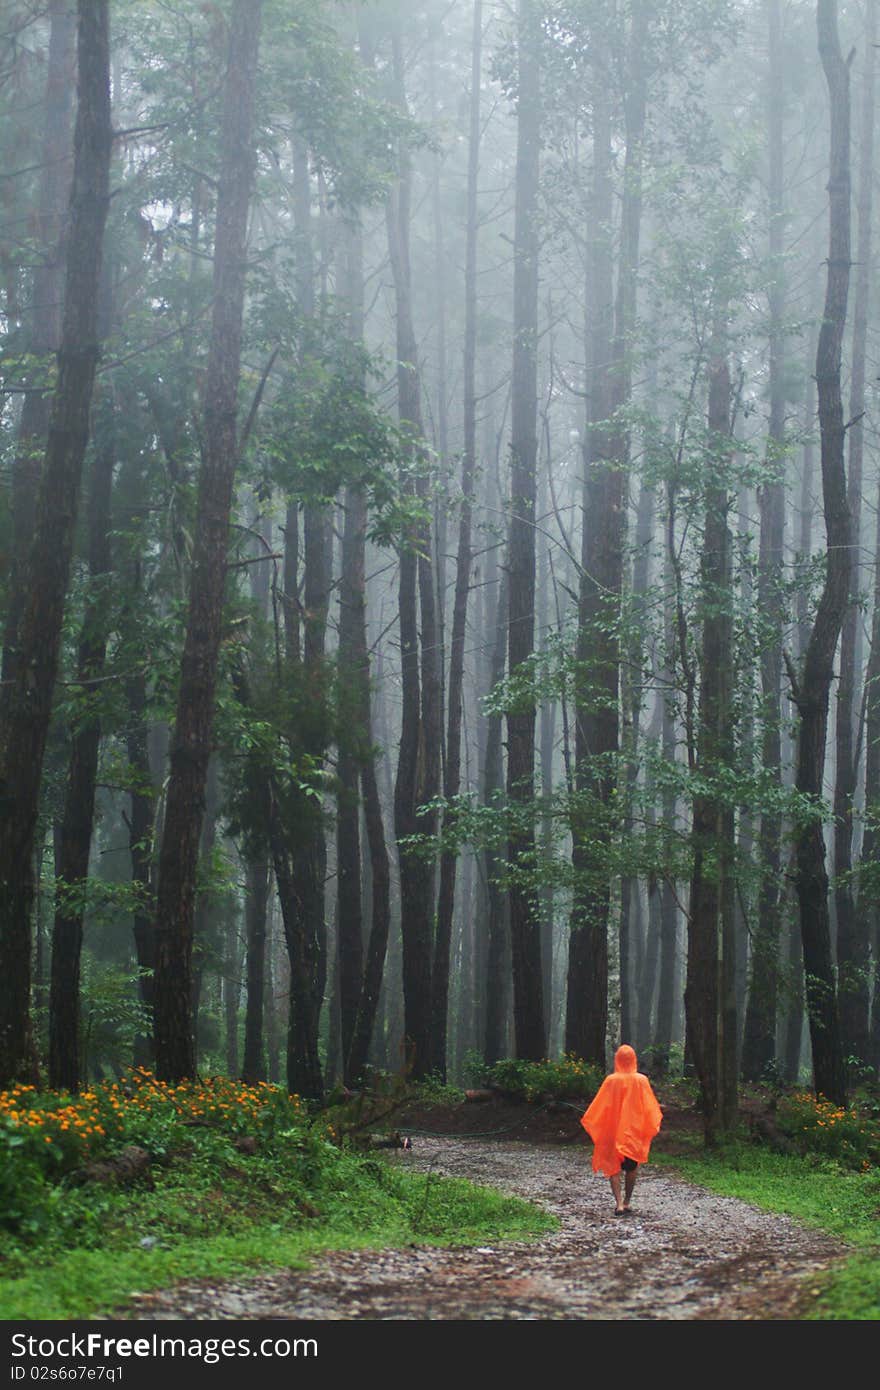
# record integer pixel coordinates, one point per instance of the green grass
(817, 1192)
(88, 1259)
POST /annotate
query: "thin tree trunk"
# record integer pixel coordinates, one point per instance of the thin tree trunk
(273, 1025)
(587, 1006)
(463, 562)
(759, 1044)
(72, 866)
(712, 829)
(811, 689)
(308, 841)
(231, 991)
(256, 904)
(418, 765)
(794, 1023)
(632, 983)
(349, 946)
(525, 922)
(853, 928)
(353, 600)
(669, 913)
(496, 900)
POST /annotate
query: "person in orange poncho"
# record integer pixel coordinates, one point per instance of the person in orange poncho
(621, 1121)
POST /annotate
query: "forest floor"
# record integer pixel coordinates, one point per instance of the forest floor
(684, 1253)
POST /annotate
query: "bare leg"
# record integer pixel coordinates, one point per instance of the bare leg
(615, 1188)
(629, 1184)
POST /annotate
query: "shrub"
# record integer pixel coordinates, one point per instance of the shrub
(850, 1134)
(45, 1135)
(566, 1078)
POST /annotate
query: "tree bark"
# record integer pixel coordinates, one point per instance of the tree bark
(853, 928)
(634, 981)
(525, 922)
(25, 707)
(308, 841)
(813, 687)
(463, 564)
(48, 284)
(587, 1005)
(72, 866)
(418, 767)
(365, 988)
(712, 828)
(759, 1044)
(253, 1068)
(191, 742)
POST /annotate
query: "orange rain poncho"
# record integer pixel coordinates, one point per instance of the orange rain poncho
(624, 1117)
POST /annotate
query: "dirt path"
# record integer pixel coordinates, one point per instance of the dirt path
(683, 1254)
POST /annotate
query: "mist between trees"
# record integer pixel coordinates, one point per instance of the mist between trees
(439, 539)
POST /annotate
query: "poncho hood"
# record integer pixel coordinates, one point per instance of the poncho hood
(625, 1058)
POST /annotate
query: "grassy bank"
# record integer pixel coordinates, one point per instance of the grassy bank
(819, 1191)
(239, 1179)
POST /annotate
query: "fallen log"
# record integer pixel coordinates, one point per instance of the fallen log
(130, 1165)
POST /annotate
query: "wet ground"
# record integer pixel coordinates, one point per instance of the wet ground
(683, 1254)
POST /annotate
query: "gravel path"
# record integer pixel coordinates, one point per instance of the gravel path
(683, 1254)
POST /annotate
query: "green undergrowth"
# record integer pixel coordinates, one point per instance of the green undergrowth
(560, 1078)
(238, 1179)
(816, 1190)
(202, 1220)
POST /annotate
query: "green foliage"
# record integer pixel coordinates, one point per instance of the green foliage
(25, 1192)
(433, 1090)
(850, 1134)
(323, 430)
(563, 1078)
(209, 1209)
(112, 1013)
(351, 130)
(57, 1132)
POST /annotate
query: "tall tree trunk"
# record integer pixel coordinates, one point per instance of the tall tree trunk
(669, 912)
(597, 733)
(525, 922)
(231, 990)
(587, 1006)
(46, 307)
(256, 917)
(463, 563)
(869, 906)
(191, 742)
(631, 982)
(307, 836)
(418, 767)
(256, 908)
(25, 704)
(353, 605)
(811, 689)
(853, 929)
(712, 829)
(349, 945)
(141, 820)
(759, 1044)
(72, 866)
(273, 1022)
